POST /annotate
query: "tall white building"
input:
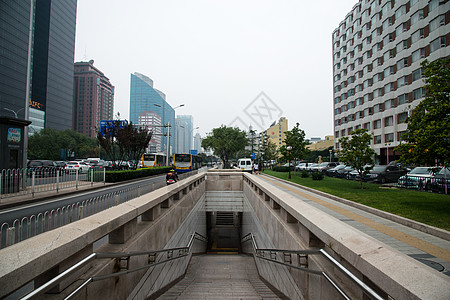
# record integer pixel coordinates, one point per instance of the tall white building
(198, 143)
(181, 135)
(378, 80)
(153, 121)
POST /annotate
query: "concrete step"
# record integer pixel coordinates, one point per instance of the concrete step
(220, 277)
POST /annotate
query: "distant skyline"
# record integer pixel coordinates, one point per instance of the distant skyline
(217, 57)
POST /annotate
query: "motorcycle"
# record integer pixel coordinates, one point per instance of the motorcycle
(170, 181)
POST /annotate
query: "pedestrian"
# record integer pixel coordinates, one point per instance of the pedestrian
(255, 168)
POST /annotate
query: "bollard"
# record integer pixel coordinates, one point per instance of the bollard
(33, 179)
(10, 236)
(92, 176)
(57, 181)
(76, 180)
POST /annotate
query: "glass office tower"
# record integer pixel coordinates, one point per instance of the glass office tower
(146, 99)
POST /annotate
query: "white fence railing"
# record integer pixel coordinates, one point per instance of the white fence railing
(17, 182)
(26, 227)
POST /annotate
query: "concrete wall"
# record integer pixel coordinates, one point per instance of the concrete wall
(145, 223)
(295, 225)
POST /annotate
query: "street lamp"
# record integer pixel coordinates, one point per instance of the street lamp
(168, 129)
(331, 151)
(289, 148)
(387, 151)
(14, 112)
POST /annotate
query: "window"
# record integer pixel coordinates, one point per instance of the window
(402, 99)
(389, 138)
(400, 11)
(367, 83)
(402, 81)
(377, 139)
(418, 15)
(401, 118)
(437, 22)
(389, 121)
(417, 74)
(377, 77)
(418, 93)
(378, 108)
(419, 34)
(433, 4)
(412, 2)
(386, 8)
(366, 125)
(367, 97)
(388, 87)
(377, 93)
(418, 54)
(403, 63)
(389, 104)
(437, 43)
(401, 28)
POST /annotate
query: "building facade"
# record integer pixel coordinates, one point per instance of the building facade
(189, 123)
(276, 132)
(152, 121)
(37, 69)
(198, 143)
(377, 76)
(93, 98)
(181, 134)
(145, 98)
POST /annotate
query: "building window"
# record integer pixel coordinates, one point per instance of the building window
(402, 63)
(389, 121)
(418, 94)
(377, 139)
(418, 15)
(437, 22)
(388, 87)
(400, 11)
(401, 118)
(437, 43)
(417, 35)
(402, 99)
(367, 125)
(402, 81)
(418, 54)
(389, 138)
(417, 74)
(377, 124)
(389, 104)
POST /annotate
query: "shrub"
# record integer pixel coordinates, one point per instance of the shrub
(304, 174)
(281, 169)
(117, 176)
(317, 176)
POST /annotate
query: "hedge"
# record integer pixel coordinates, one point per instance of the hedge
(117, 176)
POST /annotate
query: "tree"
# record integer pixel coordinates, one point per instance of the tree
(108, 139)
(296, 139)
(225, 142)
(132, 142)
(356, 152)
(427, 139)
(52, 144)
(270, 152)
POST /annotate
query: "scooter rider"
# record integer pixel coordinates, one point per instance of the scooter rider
(171, 176)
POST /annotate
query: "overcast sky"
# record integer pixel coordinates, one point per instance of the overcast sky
(217, 57)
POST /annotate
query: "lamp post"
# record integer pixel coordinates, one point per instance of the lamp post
(168, 129)
(387, 151)
(14, 112)
(331, 151)
(289, 148)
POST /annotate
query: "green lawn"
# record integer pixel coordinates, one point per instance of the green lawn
(428, 208)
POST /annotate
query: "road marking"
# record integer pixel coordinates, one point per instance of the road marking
(401, 236)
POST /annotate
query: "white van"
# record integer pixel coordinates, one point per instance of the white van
(245, 164)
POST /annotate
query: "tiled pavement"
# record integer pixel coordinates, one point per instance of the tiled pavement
(384, 230)
(220, 277)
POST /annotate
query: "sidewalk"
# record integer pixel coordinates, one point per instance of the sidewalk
(427, 248)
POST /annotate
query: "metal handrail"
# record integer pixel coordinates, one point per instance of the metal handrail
(184, 251)
(257, 252)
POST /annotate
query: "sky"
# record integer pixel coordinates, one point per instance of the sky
(233, 63)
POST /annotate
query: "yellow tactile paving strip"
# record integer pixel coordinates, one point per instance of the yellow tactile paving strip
(424, 246)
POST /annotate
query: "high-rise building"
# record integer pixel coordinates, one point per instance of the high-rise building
(144, 98)
(198, 143)
(152, 121)
(189, 120)
(38, 69)
(378, 79)
(93, 98)
(181, 135)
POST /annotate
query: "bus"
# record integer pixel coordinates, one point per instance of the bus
(150, 160)
(186, 162)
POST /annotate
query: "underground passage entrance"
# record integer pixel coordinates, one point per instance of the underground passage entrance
(224, 232)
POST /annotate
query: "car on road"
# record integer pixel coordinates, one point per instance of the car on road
(385, 173)
(440, 183)
(42, 168)
(77, 166)
(418, 178)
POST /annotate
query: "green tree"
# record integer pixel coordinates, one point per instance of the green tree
(356, 151)
(296, 139)
(49, 143)
(427, 139)
(132, 142)
(108, 140)
(225, 142)
(270, 152)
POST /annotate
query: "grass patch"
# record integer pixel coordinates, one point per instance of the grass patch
(429, 208)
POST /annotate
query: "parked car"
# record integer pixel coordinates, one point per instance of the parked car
(342, 173)
(99, 165)
(77, 166)
(354, 175)
(301, 166)
(245, 164)
(440, 182)
(332, 172)
(418, 178)
(385, 173)
(326, 165)
(312, 167)
(42, 168)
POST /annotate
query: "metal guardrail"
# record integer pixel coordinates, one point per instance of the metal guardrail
(285, 256)
(18, 182)
(33, 225)
(155, 257)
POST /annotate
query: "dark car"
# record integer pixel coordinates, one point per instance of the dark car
(440, 183)
(42, 168)
(385, 173)
(342, 173)
(418, 178)
(332, 172)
